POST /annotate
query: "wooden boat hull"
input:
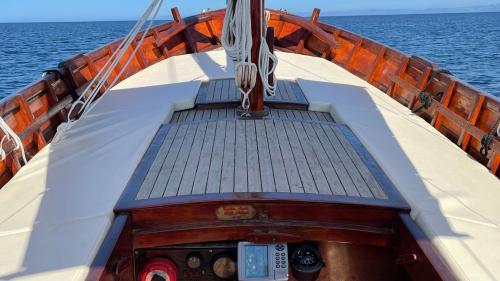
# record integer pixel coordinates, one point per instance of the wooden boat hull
(459, 111)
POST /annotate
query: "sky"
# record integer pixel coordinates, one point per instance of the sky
(102, 10)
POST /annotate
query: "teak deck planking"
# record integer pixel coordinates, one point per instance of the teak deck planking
(212, 151)
(221, 92)
(459, 111)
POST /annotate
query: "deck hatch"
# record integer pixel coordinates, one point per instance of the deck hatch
(221, 92)
(297, 152)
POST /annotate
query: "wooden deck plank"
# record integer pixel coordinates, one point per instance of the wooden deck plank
(220, 91)
(240, 167)
(190, 116)
(154, 170)
(358, 180)
(288, 87)
(300, 159)
(277, 162)
(283, 91)
(211, 91)
(175, 179)
(225, 90)
(168, 164)
(201, 178)
(227, 180)
(186, 185)
(215, 172)
(363, 170)
(175, 117)
(266, 169)
(203, 92)
(212, 151)
(328, 117)
(345, 178)
(254, 181)
(291, 168)
(312, 160)
(182, 116)
(299, 95)
(334, 182)
(233, 93)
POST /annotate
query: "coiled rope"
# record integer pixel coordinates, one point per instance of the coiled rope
(237, 41)
(98, 82)
(265, 57)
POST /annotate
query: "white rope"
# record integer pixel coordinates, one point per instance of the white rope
(265, 58)
(104, 74)
(237, 41)
(9, 134)
(237, 31)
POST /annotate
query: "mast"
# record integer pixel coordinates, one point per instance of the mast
(257, 96)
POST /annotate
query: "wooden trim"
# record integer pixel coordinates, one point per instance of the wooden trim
(421, 85)
(282, 232)
(474, 116)
(110, 256)
(370, 76)
(401, 71)
(429, 265)
(437, 120)
(127, 205)
(315, 16)
(353, 53)
(448, 113)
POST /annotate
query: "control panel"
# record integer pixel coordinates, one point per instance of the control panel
(262, 262)
(194, 262)
(228, 261)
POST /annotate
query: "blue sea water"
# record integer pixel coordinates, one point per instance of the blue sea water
(466, 44)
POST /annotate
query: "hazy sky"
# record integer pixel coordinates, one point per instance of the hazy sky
(81, 10)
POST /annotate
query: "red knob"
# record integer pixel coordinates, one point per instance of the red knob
(159, 269)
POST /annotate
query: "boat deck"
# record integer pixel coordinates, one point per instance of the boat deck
(211, 151)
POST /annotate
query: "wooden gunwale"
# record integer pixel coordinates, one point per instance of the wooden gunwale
(464, 114)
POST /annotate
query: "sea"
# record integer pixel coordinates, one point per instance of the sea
(466, 44)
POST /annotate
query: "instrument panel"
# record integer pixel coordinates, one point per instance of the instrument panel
(243, 261)
(217, 261)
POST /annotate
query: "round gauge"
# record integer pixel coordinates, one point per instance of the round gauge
(194, 260)
(159, 269)
(224, 267)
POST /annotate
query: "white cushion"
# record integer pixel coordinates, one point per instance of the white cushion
(56, 211)
(453, 197)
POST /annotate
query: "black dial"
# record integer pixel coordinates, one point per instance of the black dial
(194, 260)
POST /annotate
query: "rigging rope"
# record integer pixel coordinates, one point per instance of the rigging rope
(265, 58)
(237, 41)
(98, 82)
(8, 135)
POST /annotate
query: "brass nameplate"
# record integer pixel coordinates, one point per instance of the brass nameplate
(235, 212)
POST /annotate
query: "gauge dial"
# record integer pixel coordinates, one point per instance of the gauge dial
(194, 260)
(224, 267)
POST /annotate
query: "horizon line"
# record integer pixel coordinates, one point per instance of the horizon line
(341, 14)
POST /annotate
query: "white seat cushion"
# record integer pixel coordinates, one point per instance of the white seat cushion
(454, 198)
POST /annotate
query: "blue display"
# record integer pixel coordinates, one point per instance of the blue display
(256, 261)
